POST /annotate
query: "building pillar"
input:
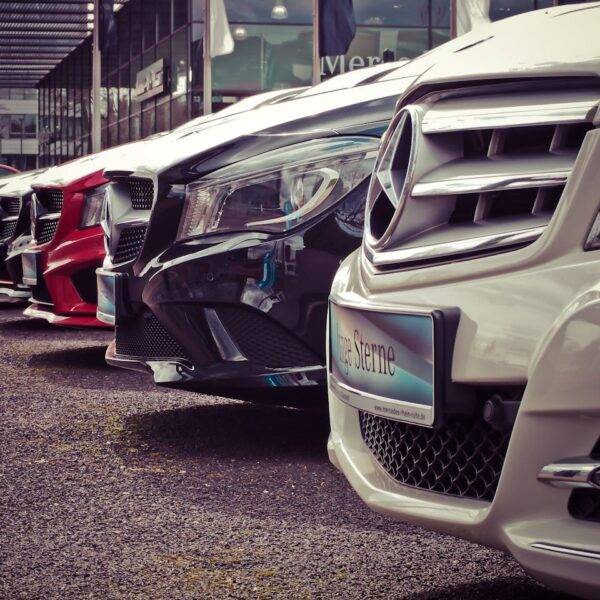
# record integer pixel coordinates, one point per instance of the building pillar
(96, 81)
(207, 65)
(316, 75)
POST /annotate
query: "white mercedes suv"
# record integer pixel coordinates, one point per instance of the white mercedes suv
(464, 336)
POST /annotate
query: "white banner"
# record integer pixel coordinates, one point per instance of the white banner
(471, 14)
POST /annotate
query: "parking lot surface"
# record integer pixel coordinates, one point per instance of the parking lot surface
(113, 488)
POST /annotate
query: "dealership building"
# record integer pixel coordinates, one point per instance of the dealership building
(153, 72)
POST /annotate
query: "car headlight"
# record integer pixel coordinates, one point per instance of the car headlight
(279, 190)
(92, 207)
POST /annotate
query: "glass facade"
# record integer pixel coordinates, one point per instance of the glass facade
(18, 127)
(273, 49)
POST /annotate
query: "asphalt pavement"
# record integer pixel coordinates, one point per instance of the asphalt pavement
(111, 487)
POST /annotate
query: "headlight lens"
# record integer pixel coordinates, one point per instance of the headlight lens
(92, 207)
(279, 190)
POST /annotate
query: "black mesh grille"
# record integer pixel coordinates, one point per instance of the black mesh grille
(45, 230)
(141, 193)
(11, 206)
(264, 341)
(130, 243)
(51, 200)
(7, 229)
(146, 337)
(464, 457)
(584, 504)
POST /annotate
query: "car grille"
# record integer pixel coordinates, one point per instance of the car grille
(146, 337)
(51, 200)
(463, 457)
(7, 228)
(130, 244)
(264, 341)
(465, 173)
(45, 230)
(10, 205)
(141, 192)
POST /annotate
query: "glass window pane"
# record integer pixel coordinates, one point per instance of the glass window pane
(178, 111)
(113, 97)
(297, 12)
(163, 15)
(440, 13)
(29, 126)
(123, 131)
(16, 126)
(136, 27)
(179, 67)
(163, 116)
(148, 121)
(149, 16)
(124, 93)
(4, 127)
(499, 9)
(268, 57)
(134, 128)
(135, 66)
(375, 12)
(123, 34)
(180, 13)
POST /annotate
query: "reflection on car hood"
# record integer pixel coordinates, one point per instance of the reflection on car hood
(560, 41)
(180, 146)
(20, 183)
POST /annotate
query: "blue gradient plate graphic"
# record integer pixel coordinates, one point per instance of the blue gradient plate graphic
(383, 362)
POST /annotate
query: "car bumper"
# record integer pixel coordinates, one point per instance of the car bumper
(186, 303)
(547, 349)
(63, 279)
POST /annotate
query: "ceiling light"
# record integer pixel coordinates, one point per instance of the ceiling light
(279, 11)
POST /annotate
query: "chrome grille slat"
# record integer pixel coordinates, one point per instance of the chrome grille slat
(510, 110)
(478, 176)
(486, 172)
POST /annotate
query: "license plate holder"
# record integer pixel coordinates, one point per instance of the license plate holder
(29, 261)
(110, 295)
(392, 363)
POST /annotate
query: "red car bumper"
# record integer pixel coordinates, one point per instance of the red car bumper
(67, 294)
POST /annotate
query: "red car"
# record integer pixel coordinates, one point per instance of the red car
(66, 248)
(7, 170)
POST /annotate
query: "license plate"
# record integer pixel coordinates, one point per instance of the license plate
(29, 262)
(106, 282)
(384, 362)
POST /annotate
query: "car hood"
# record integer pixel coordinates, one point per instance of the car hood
(21, 183)
(560, 41)
(307, 116)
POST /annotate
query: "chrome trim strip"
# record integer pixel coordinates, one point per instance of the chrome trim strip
(570, 473)
(15, 293)
(396, 410)
(105, 318)
(490, 183)
(487, 243)
(226, 346)
(567, 551)
(512, 116)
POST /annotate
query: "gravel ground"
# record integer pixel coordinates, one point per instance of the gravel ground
(113, 488)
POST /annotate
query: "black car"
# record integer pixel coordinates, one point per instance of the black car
(15, 196)
(224, 239)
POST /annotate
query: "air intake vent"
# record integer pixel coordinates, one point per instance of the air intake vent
(45, 230)
(141, 193)
(11, 206)
(130, 244)
(7, 228)
(464, 175)
(51, 200)
(146, 337)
